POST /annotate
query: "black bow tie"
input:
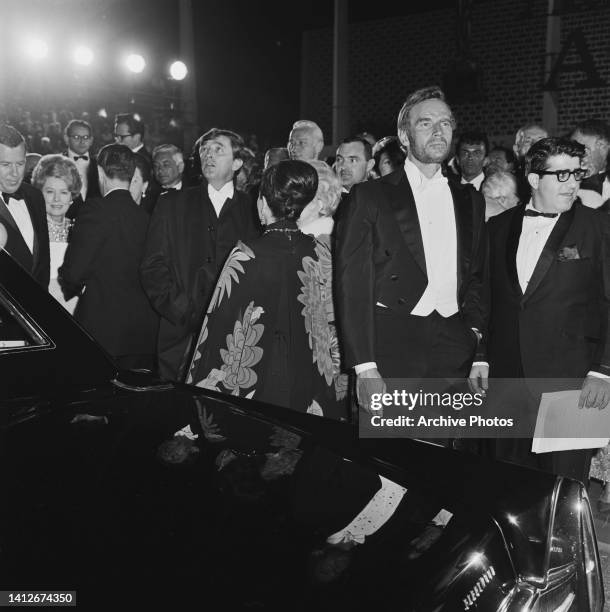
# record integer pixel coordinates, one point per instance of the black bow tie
(77, 157)
(17, 195)
(534, 213)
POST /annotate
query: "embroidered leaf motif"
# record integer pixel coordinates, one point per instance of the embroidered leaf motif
(229, 273)
(316, 297)
(212, 379)
(242, 354)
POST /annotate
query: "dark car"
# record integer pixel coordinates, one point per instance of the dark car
(134, 493)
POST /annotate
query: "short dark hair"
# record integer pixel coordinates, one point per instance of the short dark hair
(392, 148)
(237, 142)
(594, 127)
(288, 187)
(144, 166)
(136, 125)
(473, 137)
(368, 150)
(10, 137)
(536, 159)
(117, 161)
(508, 154)
(77, 123)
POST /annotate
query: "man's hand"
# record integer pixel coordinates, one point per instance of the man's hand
(595, 393)
(369, 382)
(478, 379)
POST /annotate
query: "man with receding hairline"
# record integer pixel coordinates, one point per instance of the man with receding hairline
(306, 140)
(411, 261)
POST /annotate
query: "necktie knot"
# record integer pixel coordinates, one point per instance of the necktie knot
(536, 213)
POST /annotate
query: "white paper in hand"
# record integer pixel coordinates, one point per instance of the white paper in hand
(562, 425)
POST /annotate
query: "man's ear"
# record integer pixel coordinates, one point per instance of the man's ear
(237, 164)
(370, 165)
(533, 179)
(66, 140)
(180, 166)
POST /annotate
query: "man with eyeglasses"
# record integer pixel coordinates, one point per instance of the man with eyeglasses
(550, 299)
(129, 131)
(78, 137)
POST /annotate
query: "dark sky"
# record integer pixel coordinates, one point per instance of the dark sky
(248, 52)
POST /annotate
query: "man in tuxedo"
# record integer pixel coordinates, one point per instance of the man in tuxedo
(354, 162)
(411, 261)
(168, 165)
(78, 137)
(594, 136)
(129, 131)
(190, 235)
(550, 297)
(305, 141)
(22, 209)
(102, 266)
(472, 149)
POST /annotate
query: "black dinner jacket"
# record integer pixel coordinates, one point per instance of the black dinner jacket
(104, 256)
(186, 247)
(93, 186)
(37, 262)
(380, 258)
(559, 327)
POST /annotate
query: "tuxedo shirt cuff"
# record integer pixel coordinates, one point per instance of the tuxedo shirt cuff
(363, 367)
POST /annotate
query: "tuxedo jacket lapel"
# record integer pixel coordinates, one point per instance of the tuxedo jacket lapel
(403, 204)
(463, 209)
(512, 245)
(549, 252)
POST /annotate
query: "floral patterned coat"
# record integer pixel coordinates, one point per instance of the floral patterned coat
(269, 332)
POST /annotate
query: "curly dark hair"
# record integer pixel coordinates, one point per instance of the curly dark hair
(536, 159)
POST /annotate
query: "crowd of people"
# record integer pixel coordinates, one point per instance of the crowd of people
(395, 260)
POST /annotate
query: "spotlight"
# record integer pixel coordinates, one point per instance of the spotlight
(178, 70)
(83, 56)
(36, 48)
(135, 63)
(102, 113)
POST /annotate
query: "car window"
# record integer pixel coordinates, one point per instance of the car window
(17, 330)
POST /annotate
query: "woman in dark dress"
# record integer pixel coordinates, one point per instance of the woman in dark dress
(266, 334)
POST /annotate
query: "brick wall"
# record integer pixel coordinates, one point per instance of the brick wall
(390, 58)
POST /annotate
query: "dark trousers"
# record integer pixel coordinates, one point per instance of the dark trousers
(423, 347)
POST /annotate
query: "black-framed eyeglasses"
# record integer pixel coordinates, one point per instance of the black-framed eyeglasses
(79, 137)
(122, 136)
(564, 175)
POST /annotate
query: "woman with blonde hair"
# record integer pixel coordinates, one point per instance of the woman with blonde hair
(58, 179)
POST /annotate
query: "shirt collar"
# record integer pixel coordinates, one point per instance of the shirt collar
(227, 190)
(140, 146)
(72, 154)
(475, 182)
(417, 179)
(530, 206)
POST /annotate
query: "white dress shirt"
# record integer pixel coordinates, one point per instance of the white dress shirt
(82, 165)
(21, 215)
(220, 196)
(436, 215)
(534, 234)
(475, 182)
